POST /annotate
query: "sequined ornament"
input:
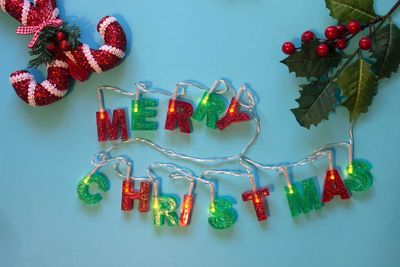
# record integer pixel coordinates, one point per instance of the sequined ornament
(186, 212)
(87, 182)
(64, 63)
(222, 215)
(141, 112)
(164, 211)
(359, 177)
(257, 197)
(334, 186)
(210, 106)
(233, 115)
(178, 115)
(129, 195)
(107, 130)
(304, 200)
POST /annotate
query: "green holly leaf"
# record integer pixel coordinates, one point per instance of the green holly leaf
(385, 48)
(358, 84)
(306, 63)
(347, 10)
(316, 101)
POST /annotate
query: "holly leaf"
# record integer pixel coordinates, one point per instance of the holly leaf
(385, 48)
(358, 84)
(347, 10)
(316, 101)
(306, 63)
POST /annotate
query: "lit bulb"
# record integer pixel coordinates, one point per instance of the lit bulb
(205, 99)
(172, 107)
(332, 177)
(156, 204)
(86, 180)
(102, 115)
(291, 190)
(136, 108)
(350, 169)
(212, 207)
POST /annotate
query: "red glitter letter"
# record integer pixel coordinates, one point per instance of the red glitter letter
(179, 114)
(129, 195)
(186, 212)
(233, 115)
(334, 186)
(107, 130)
(258, 201)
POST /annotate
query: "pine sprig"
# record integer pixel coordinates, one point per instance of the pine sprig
(40, 53)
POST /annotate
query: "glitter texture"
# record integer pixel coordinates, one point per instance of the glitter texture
(178, 115)
(111, 131)
(359, 177)
(59, 77)
(164, 211)
(334, 186)
(84, 185)
(257, 197)
(140, 114)
(233, 115)
(222, 215)
(186, 212)
(129, 195)
(305, 200)
(211, 105)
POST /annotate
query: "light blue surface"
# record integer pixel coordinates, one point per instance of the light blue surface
(46, 151)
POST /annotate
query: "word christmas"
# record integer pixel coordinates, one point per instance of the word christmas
(179, 114)
(302, 197)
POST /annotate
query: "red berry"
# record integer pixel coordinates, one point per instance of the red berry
(341, 29)
(365, 43)
(322, 50)
(64, 45)
(288, 48)
(331, 32)
(307, 36)
(51, 48)
(354, 27)
(341, 43)
(60, 36)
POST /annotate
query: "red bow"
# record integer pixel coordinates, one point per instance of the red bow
(50, 20)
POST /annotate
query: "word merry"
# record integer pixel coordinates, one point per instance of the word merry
(301, 199)
(179, 115)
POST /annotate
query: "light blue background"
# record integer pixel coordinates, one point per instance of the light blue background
(46, 151)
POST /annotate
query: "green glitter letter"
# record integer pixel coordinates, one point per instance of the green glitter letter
(299, 203)
(140, 113)
(359, 178)
(164, 210)
(84, 185)
(222, 214)
(211, 105)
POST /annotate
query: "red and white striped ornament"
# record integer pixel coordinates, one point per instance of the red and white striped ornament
(34, 17)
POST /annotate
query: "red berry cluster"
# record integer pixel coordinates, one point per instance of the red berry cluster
(58, 42)
(336, 38)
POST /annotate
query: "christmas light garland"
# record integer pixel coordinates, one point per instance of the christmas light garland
(222, 216)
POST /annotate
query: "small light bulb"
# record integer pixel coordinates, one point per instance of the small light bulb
(86, 180)
(212, 208)
(102, 115)
(205, 100)
(332, 177)
(350, 169)
(291, 190)
(136, 108)
(156, 204)
(172, 107)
